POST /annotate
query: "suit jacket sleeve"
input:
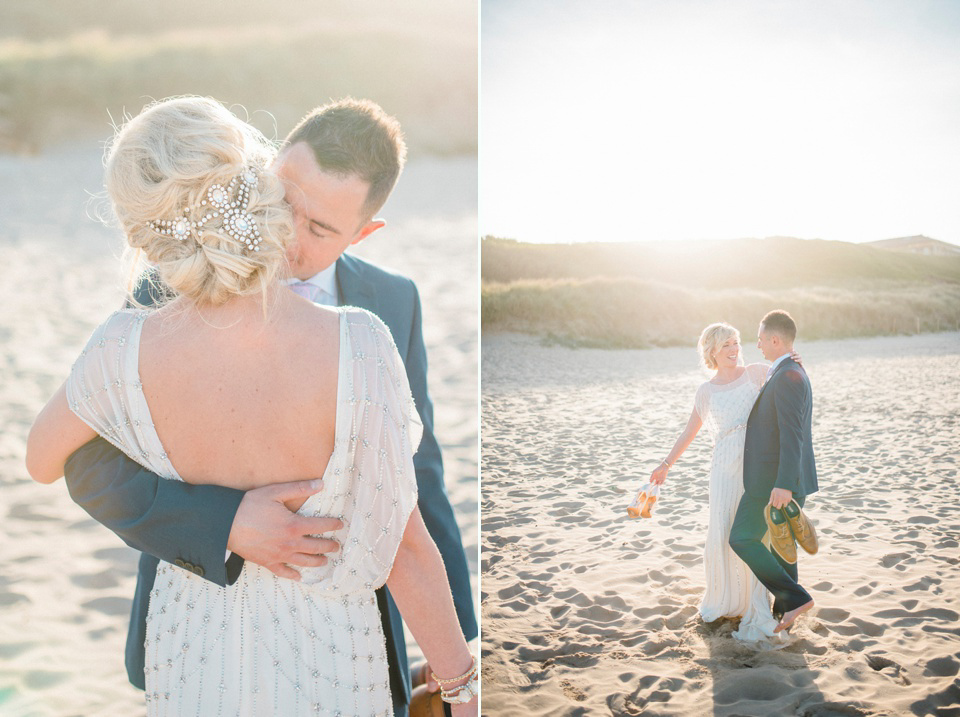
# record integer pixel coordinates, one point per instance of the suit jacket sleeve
(433, 502)
(168, 519)
(790, 398)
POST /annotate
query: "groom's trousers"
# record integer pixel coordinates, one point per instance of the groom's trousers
(777, 575)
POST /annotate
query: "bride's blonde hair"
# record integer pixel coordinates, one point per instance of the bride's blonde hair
(159, 168)
(712, 338)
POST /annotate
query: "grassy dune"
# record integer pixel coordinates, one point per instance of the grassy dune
(662, 294)
(65, 69)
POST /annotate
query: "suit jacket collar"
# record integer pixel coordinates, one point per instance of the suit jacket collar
(354, 289)
(786, 362)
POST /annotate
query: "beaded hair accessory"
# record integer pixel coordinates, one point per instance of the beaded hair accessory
(230, 202)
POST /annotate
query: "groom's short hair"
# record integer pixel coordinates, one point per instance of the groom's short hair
(780, 322)
(353, 137)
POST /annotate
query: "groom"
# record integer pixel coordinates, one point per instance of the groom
(339, 166)
(778, 465)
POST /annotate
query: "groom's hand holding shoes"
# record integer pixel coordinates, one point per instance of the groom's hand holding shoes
(267, 530)
(779, 497)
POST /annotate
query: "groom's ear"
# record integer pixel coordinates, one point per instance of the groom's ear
(368, 229)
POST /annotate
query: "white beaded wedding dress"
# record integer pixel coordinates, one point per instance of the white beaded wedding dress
(732, 589)
(265, 645)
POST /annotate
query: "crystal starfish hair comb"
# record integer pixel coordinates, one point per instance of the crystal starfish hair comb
(230, 202)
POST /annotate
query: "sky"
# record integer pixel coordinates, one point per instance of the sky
(634, 120)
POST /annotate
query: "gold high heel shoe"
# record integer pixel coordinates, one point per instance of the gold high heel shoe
(651, 500)
(639, 504)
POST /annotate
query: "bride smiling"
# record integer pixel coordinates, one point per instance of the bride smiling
(723, 405)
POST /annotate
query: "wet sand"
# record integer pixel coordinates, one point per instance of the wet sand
(586, 611)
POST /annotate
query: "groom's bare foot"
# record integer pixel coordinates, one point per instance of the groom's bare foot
(791, 615)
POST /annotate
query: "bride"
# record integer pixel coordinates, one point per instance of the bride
(239, 377)
(723, 405)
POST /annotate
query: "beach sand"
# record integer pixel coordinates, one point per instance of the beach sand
(66, 582)
(586, 612)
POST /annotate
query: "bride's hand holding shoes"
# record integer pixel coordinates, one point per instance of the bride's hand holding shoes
(659, 474)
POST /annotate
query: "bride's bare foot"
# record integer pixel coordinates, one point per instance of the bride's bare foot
(788, 617)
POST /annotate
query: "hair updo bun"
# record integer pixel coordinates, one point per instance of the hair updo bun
(160, 168)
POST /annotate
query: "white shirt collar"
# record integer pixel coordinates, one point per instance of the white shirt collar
(776, 363)
(326, 280)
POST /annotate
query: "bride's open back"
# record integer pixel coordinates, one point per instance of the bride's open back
(240, 401)
(241, 383)
(238, 382)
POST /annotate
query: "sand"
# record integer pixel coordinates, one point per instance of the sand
(65, 581)
(586, 612)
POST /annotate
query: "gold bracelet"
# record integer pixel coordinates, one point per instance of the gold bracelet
(464, 693)
(473, 668)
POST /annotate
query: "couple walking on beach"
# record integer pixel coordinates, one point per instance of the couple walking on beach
(256, 371)
(761, 472)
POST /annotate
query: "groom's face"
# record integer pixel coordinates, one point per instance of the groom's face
(327, 211)
(769, 344)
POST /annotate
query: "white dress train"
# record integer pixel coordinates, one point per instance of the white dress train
(732, 589)
(265, 645)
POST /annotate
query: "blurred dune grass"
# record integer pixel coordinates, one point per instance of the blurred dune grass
(637, 295)
(67, 68)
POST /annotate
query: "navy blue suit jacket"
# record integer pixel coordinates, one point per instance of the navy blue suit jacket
(175, 521)
(778, 451)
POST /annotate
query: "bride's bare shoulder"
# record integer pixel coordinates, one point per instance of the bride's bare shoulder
(311, 324)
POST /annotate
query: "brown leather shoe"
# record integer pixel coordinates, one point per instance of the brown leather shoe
(801, 527)
(781, 539)
(419, 673)
(426, 704)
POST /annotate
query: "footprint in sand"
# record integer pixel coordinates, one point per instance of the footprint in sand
(573, 596)
(888, 561)
(834, 709)
(42, 679)
(93, 581)
(940, 614)
(612, 600)
(924, 584)
(623, 705)
(488, 563)
(517, 605)
(942, 667)
(511, 591)
(572, 691)
(867, 628)
(8, 598)
(832, 614)
(11, 650)
(109, 605)
(598, 613)
(679, 619)
(886, 666)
